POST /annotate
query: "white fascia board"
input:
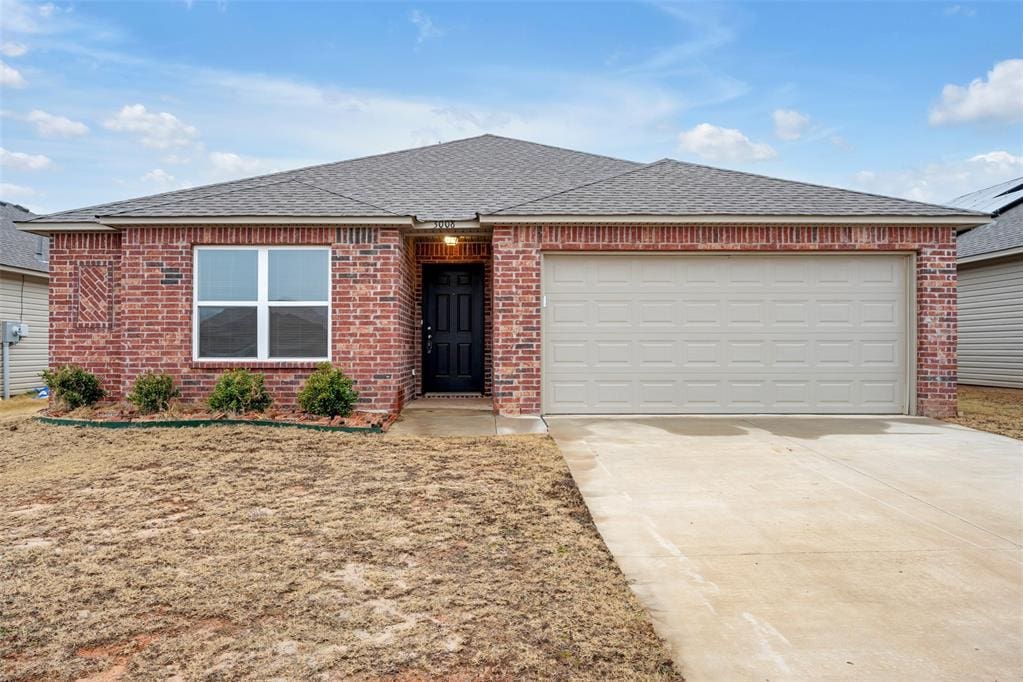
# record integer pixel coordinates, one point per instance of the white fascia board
(44, 229)
(25, 271)
(965, 221)
(1018, 251)
(259, 220)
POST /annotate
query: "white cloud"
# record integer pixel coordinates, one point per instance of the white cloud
(10, 76)
(12, 49)
(315, 122)
(999, 98)
(944, 180)
(23, 161)
(953, 10)
(46, 10)
(425, 26)
(228, 166)
(723, 144)
(790, 124)
(158, 130)
(840, 142)
(9, 190)
(51, 125)
(161, 178)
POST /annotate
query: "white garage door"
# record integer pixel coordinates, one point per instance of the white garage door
(724, 334)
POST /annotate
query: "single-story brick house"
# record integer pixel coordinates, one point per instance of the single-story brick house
(990, 289)
(554, 280)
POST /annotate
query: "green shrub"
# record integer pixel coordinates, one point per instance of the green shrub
(328, 392)
(153, 392)
(239, 390)
(72, 387)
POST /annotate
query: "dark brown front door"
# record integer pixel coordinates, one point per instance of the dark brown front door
(452, 328)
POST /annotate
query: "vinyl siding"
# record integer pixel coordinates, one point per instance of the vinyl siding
(991, 324)
(25, 298)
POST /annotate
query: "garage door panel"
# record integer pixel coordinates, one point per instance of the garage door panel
(712, 395)
(771, 338)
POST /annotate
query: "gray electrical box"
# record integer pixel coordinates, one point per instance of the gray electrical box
(14, 331)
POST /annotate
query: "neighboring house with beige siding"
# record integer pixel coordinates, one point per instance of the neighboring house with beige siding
(990, 264)
(24, 286)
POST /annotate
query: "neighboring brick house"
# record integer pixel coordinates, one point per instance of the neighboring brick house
(555, 281)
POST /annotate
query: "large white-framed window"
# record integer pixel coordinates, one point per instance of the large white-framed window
(261, 303)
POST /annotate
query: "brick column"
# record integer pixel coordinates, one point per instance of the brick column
(937, 332)
(516, 347)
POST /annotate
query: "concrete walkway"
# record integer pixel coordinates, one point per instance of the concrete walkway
(814, 548)
(460, 417)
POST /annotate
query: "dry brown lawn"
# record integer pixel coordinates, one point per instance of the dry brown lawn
(999, 410)
(21, 404)
(239, 552)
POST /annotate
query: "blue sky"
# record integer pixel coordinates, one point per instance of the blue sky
(108, 100)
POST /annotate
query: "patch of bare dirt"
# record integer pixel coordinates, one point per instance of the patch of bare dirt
(998, 410)
(238, 552)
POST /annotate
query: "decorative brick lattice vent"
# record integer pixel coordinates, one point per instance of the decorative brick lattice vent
(94, 301)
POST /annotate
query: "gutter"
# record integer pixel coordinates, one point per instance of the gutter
(963, 221)
(991, 255)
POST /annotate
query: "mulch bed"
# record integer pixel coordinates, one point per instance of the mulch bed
(183, 411)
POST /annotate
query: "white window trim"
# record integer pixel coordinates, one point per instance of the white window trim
(262, 304)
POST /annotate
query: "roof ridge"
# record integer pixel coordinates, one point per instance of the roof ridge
(344, 196)
(820, 186)
(179, 200)
(552, 146)
(585, 184)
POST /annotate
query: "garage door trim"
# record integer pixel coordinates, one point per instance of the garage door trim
(910, 300)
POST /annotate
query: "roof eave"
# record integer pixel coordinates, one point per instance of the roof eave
(991, 255)
(45, 274)
(44, 229)
(256, 220)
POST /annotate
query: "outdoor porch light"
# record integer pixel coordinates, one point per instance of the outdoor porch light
(450, 240)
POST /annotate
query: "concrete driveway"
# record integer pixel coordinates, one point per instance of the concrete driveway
(814, 548)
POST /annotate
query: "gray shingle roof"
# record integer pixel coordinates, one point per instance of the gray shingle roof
(450, 181)
(1005, 232)
(670, 187)
(482, 175)
(280, 198)
(18, 249)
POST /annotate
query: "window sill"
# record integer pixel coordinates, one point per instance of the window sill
(256, 364)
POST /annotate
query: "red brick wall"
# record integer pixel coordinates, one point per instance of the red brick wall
(517, 255)
(85, 285)
(121, 304)
(151, 320)
(468, 250)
